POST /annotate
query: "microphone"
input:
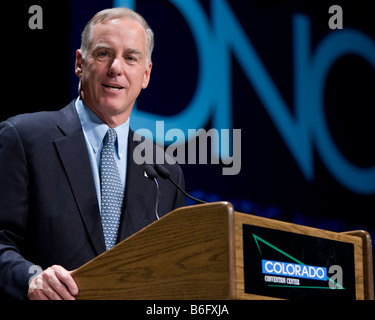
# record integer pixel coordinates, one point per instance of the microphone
(150, 173)
(164, 173)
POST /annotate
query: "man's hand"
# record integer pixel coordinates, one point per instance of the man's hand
(54, 283)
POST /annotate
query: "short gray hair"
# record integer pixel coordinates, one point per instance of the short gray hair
(112, 14)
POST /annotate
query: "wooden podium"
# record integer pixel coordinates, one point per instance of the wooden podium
(197, 253)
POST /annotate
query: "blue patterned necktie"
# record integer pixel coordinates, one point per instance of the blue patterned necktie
(111, 190)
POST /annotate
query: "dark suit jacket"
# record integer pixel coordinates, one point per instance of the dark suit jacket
(49, 211)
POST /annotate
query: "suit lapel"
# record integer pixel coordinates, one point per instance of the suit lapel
(75, 159)
(140, 195)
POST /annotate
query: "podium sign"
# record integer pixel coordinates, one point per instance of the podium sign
(295, 266)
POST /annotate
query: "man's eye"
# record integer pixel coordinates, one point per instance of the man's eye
(103, 55)
(130, 59)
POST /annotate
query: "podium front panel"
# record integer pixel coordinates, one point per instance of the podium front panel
(282, 260)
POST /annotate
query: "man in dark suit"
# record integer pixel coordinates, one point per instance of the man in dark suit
(50, 186)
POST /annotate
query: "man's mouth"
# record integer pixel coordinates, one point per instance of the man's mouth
(114, 87)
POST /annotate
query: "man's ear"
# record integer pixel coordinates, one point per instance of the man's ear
(146, 78)
(79, 63)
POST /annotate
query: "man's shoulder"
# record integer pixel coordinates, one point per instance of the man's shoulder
(32, 118)
(30, 123)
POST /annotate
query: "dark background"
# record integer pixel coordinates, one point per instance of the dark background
(38, 72)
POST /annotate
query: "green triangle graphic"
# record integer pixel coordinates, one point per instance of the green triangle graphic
(257, 238)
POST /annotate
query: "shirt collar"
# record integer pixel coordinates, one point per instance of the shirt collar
(95, 130)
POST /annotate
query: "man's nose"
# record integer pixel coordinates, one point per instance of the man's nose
(115, 68)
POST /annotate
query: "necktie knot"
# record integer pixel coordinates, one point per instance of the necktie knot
(110, 137)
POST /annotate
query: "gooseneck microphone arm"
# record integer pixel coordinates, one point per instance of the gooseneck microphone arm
(150, 173)
(164, 173)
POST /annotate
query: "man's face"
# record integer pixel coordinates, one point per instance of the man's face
(114, 70)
